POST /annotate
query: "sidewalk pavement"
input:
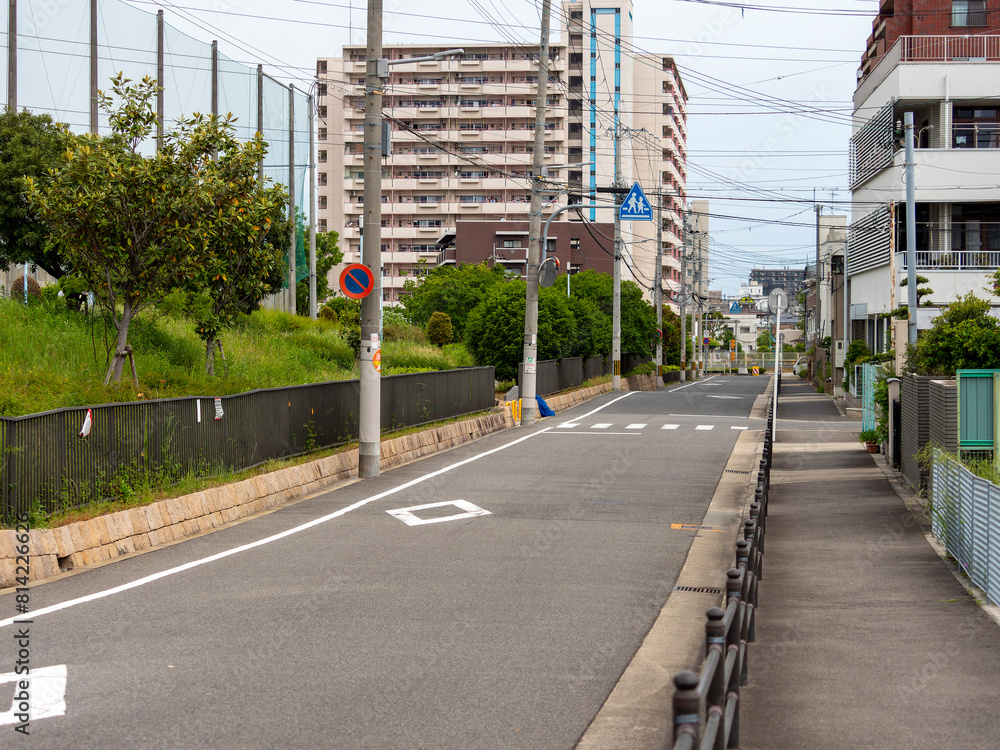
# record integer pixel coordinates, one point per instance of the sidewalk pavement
(865, 638)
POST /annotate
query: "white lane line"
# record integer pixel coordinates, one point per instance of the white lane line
(671, 427)
(705, 427)
(734, 427)
(631, 434)
(635, 427)
(602, 426)
(697, 382)
(268, 540)
(584, 416)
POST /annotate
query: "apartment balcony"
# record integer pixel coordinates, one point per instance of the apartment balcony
(927, 49)
(937, 172)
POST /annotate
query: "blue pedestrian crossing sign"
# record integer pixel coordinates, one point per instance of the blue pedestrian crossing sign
(735, 308)
(635, 207)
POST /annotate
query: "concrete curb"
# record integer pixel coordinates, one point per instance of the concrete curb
(101, 539)
(638, 714)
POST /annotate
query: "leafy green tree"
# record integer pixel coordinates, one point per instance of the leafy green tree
(963, 337)
(328, 255)
(30, 145)
(495, 328)
(452, 290)
(439, 331)
(671, 336)
(134, 227)
(638, 316)
(593, 328)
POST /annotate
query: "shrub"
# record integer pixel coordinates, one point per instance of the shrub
(17, 289)
(328, 314)
(439, 331)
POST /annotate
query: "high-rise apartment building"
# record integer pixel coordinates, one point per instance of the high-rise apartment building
(463, 137)
(940, 60)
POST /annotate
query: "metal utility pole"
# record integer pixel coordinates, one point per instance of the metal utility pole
(819, 277)
(658, 288)
(93, 67)
(260, 118)
(911, 232)
(684, 259)
(370, 412)
(535, 228)
(12, 55)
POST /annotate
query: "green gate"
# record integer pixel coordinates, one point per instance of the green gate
(978, 415)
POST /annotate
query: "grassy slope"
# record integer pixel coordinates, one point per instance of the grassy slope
(51, 357)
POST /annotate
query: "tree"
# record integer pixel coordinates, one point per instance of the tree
(671, 336)
(439, 331)
(452, 290)
(495, 328)
(638, 318)
(136, 228)
(30, 145)
(964, 337)
(328, 255)
(593, 328)
(921, 291)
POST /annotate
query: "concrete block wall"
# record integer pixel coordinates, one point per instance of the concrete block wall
(100, 539)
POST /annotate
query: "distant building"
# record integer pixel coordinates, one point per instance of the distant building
(506, 243)
(792, 280)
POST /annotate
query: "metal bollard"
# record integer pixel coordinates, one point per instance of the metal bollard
(687, 705)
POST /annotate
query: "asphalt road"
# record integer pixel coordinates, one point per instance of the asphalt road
(504, 628)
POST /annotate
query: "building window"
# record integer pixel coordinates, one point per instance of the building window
(322, 134)
(322, 156)
(321, 89)
(511, 244)
(968, 13)
(321, 110)
(975, 128)
(322, 178)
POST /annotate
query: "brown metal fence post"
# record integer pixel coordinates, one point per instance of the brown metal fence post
(687, 706)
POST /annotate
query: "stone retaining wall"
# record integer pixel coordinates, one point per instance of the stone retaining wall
(103, 538)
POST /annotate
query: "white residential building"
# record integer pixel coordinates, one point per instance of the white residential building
(952, 86)
(462, 140)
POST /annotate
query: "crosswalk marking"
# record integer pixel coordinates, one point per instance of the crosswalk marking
(735, 427)
(635, 427)
(671, 427)
(600, 426)
(705, 427)
(568, 425)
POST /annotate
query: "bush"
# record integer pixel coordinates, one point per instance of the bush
(963, 337)
(17, 289)
(644, 369)
(328, 314)
(439, 331)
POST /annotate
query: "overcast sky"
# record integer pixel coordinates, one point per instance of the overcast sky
(747, 72)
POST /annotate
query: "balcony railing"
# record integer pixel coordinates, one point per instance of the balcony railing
(955, 260)
(928, 49)
(976, 135)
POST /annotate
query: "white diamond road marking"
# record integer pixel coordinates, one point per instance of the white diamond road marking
(671, 427)
(568, 426)
(46, 690)
(600, 426)
(739, 428)
(705, 427)
(635, 427)
(409, 517)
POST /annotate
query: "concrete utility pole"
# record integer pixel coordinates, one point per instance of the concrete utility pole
(911, 232)
(291, 198)
(312, 212)
(616, 306)
(12, 55)
(658, 288)
(159, 80)
(819, 278)
(535, 249)
(684, 264)
(370, 412)
(93, 67)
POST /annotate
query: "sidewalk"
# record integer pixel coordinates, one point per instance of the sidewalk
(864, 636)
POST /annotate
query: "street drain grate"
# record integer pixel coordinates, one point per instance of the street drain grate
(735, 471)
(698, 589)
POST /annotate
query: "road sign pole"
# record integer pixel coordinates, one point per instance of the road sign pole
(370, 412)
(616, 302)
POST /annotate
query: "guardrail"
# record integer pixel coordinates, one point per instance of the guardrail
(707, 706)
